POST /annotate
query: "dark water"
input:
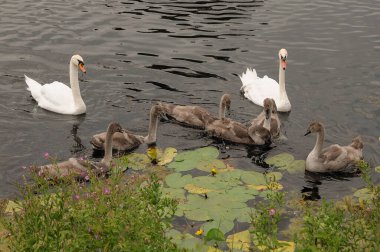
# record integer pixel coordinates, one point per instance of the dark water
(189, 52)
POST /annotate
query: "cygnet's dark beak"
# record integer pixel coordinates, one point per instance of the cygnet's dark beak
(307, 132)
(267, 114)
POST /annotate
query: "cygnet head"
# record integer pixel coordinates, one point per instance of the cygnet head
(283, 56)
(115, 127)
(157, 110)
(314, 127)
(77, 60)
(268, 107)
(357, 143)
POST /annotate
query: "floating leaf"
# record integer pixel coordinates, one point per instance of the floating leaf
(12, 206)
(207, 166)
(364, 194)
(187, 241)
(214, 234)
(174, 193)
(138, 161)
(167, 156)
(240, 241)
(285, 246)
(176, 180)
(224, 226)
(274, 176)
(197, 215)
(295, 166)
(213, 249)
(253, 178)
(196, 189)
(188, 160)
(280, 160)
(377, 169)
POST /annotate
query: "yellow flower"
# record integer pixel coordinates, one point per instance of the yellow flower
(199, 232)
(214, 172)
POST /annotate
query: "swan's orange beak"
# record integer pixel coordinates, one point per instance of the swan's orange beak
(81, 67)
(283, 64)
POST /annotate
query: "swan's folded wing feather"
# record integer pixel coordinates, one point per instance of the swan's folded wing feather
(57, 94)
(332, 153)
(260, 88)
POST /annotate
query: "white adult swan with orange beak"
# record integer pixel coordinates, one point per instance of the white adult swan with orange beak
(257, 89)
(58, 97)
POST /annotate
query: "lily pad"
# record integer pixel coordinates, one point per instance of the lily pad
(174, 193)
(187, 241)
(214, 234)
(280, 160)
(137, 161)
(197, 215)
(189, 160)
(377, 169)
(274, 176)
(196, 189)
(176, 180)
(240, 241)
(224, 225)
(364, 194)
(295, 166)
(253, 178)
(12, 206)
(167, 156)
(207, 166)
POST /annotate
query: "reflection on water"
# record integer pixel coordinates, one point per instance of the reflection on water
(189, 52)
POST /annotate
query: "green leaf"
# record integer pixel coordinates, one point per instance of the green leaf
(167, 156)
(176, 180)
(280, 160)
(207, 166)
(214, 234)
(138, 161)
(377, 169)
(295, 166)
(253, 178)
(364, 194)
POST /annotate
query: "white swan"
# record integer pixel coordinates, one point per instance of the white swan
(56, 96)
(257, 89)
(333, 158)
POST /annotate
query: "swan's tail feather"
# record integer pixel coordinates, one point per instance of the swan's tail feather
(247, 77)
(34, 87)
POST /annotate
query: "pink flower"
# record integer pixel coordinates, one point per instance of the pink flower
(272, 212)
(40, 173)
(76, 197)
(106, 191)
(87, 178)
(81, 158)
(46, 155)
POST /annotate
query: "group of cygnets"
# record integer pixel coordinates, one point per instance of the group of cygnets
(266, 92)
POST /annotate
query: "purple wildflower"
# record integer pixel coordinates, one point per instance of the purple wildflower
(46, 155)
(272, 212)
(76, 197)
(106, 191)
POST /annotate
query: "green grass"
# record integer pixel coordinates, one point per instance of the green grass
(105, 215)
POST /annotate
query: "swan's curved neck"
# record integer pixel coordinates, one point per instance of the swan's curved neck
(74, 83)
(108, 148)
(281, 82)
(153, 124)
(266, 123)
(222, 110)
(319, 143)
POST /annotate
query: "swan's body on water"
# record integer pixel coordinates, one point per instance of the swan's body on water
(58, 97)
(257, 89)
(127, 140)
(334, 158)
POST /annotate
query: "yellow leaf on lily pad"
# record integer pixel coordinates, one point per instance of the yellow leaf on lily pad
(258, 187)
(167, 156)
(12, 206)
(196, 189)
(275, 186)
(240, 241)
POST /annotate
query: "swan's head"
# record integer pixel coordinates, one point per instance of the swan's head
(115, 127)
(77, 60)
(283, 56)
(314, 127)
(226, 101)
(268, 107)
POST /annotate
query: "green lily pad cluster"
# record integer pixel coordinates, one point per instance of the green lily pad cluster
(218, 200)
(286, 161)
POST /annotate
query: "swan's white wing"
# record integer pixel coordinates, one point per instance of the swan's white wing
(257, 89)
(56, 97)
(34, 87)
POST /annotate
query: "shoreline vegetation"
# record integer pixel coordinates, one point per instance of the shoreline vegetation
(135, 211)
